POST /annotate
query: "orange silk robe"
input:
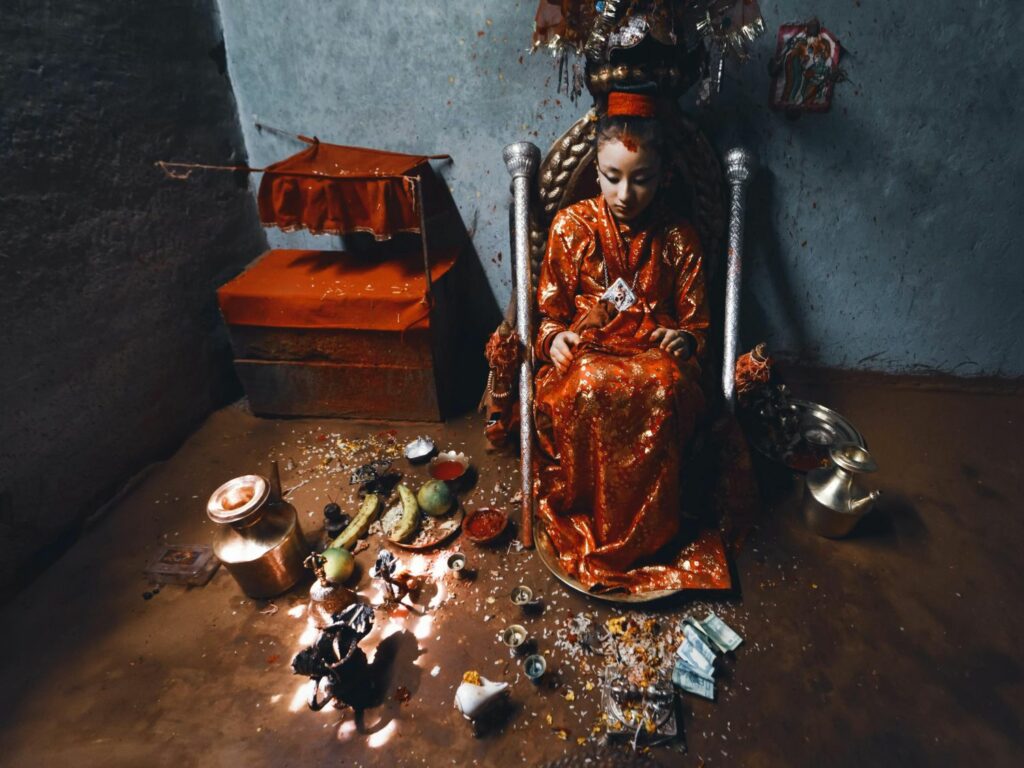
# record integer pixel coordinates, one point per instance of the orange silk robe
(612, 429)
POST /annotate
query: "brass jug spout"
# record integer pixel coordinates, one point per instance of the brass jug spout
(860, 506)
(275, 484)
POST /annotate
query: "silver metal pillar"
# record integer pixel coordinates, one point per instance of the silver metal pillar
(522, 160)
(739, 167)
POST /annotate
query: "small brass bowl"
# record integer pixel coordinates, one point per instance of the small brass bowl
(457, 563)
(419, 450)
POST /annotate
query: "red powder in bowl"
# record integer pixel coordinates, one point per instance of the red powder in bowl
(485, 524)
(447, 470)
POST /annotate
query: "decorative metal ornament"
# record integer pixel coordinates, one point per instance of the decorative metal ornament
(646, 716)
(336, 663)
(670, 44)
(397, 583)
(609, 13)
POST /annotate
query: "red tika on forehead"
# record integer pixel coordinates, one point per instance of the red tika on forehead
(630, 104)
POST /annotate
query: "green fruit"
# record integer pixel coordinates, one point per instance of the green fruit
(339, 565)
(435, 497)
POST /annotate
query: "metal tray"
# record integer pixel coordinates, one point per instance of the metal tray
(547, 556)
(820, 428)
(829, 423)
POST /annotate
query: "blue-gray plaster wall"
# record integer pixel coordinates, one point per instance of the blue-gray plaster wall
(882, 234)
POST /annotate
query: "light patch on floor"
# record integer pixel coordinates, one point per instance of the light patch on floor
(383, 736)
(301, 696)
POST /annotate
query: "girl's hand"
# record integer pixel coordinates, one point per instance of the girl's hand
(561, 349)
(672, 341)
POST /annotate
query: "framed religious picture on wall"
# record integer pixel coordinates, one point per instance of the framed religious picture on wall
(805, 68)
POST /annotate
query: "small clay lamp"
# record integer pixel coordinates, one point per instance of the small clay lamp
(523, 596)
(515, 638)
(457, 564)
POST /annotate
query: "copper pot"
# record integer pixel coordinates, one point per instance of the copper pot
(258, 536)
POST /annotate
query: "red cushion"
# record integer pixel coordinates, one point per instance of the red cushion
(333, 289)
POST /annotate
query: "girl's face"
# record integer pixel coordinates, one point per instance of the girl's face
(629, 175)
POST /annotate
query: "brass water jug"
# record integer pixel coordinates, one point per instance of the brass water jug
(258, 536)
(833, 500)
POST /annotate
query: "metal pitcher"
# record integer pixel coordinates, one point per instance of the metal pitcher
(833, 502)
(258, 536)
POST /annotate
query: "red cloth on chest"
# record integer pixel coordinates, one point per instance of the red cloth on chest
(333, 289)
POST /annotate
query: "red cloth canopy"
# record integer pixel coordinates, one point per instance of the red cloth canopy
(327, 188)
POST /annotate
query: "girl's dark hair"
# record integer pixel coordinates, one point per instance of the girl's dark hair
(626, 128)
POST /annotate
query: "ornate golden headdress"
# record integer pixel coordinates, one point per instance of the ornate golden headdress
(669, 44)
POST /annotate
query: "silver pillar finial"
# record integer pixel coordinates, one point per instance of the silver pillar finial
(740, 165)
(521, 158)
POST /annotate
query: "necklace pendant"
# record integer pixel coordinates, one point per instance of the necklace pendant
(619, 294)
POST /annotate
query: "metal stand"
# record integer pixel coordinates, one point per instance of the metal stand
(522, 160)
(423, 237)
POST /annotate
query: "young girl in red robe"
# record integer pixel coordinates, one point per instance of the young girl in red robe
(618, 392)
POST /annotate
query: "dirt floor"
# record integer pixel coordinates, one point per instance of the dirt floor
(898, 646)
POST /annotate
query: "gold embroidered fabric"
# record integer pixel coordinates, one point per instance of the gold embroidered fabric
(613, 428)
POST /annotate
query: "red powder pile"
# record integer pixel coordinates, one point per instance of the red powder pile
(485, 524)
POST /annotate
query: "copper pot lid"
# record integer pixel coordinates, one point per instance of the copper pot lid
(238, 499)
